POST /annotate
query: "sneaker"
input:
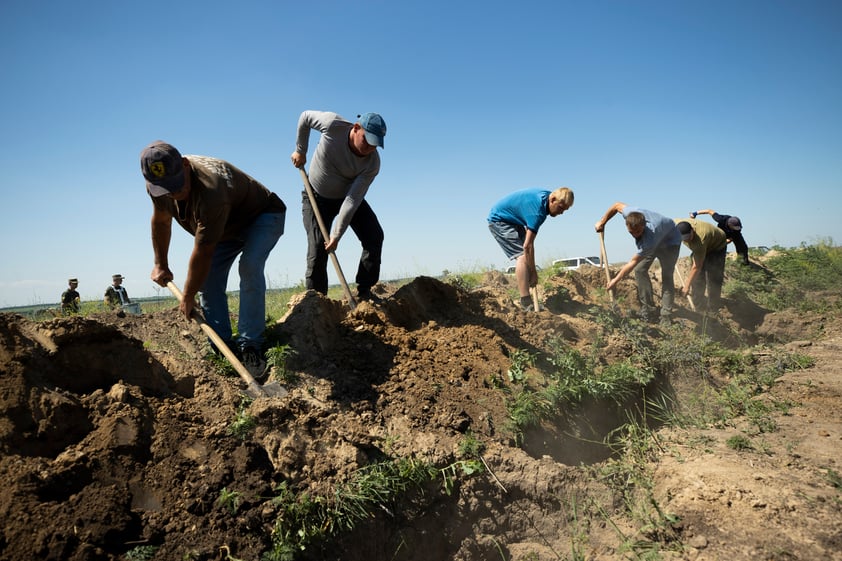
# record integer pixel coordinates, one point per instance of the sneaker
(255, 364)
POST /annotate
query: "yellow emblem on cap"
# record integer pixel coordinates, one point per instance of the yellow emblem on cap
(158, 169)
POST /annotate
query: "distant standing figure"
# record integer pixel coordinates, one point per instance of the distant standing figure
(708, 244)
(733, 228)
(656, 237)
(344, 165)
(70, 302)
(230, 215)
(116, 295)
(514, 222)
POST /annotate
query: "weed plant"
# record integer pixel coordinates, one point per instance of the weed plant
(834, 478)
(629, 473)
(243, 424)
(470, 446)
(220, 364)
(276, 358)
(230, 500)
(305, 521)
(521, 360)
(464, 281)
(140, 553)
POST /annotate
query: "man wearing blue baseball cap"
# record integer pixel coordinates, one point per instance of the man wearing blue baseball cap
(656, 237)
(344, 165)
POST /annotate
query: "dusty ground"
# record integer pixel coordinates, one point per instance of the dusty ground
(114, 434)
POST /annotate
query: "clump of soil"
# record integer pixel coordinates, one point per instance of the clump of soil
(115, 433)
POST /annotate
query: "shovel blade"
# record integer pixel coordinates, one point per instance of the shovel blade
(274, 389)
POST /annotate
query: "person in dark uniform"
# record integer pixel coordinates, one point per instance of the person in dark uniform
(733, 228)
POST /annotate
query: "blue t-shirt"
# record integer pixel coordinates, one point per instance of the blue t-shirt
(659, 231)
(527, 207)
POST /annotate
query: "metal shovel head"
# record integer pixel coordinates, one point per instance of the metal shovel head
(253, 389)
(271, 389)
(274, 389)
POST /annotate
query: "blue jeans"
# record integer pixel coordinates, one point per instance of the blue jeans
(253, 246)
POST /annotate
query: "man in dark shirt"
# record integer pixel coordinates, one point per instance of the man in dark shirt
(733, 228)
(70, 303)
(230, 214)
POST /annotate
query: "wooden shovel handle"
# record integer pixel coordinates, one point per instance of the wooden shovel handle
(604, 258)
(325, 235)
(681, 280)
(221, 345)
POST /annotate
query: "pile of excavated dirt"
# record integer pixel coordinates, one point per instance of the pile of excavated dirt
(115, 433)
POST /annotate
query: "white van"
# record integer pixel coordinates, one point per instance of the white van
(573, 263)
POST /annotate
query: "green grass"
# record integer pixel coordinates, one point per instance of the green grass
(740, 443)
(306, 520)
(787, 276)
(576, 378)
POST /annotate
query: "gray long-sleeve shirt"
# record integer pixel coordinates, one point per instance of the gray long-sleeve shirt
(335, 171)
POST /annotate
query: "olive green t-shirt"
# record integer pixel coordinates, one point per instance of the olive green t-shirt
(707, 239)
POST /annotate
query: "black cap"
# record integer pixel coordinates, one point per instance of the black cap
(161, 166)
(685, 229)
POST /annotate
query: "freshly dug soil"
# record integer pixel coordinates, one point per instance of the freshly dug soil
(115, 432)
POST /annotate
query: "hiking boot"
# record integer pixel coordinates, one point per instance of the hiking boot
(255, 363)
(523, 306)
(368, 296)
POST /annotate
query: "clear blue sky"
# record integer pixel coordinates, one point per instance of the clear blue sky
(670, 105)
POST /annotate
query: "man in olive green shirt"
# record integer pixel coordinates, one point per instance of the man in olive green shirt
(708, 244)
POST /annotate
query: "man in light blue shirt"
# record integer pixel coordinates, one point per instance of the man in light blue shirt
(656, 237)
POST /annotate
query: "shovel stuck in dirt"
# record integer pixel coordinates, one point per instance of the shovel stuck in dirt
(253, 389)
(604, 259)
(311, 195)
(681, 280)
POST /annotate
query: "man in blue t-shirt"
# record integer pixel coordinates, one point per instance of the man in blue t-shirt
(656, 237)
(514, 222)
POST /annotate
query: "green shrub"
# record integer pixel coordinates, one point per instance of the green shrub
(739, 443)
(141, 553)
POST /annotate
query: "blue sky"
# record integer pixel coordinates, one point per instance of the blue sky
(668, 105)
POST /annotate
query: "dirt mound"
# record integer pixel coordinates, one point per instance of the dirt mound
(116, 431)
